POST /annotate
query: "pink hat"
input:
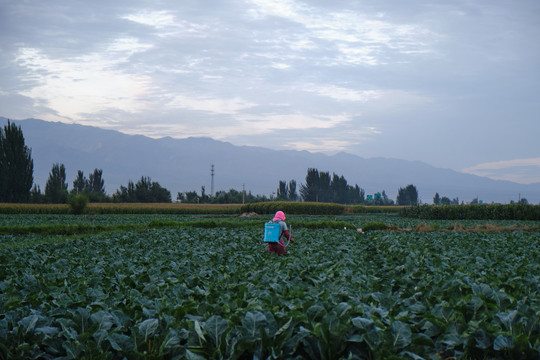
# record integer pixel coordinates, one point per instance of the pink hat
(280, 215)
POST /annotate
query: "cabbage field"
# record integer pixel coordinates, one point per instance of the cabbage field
(180, 287)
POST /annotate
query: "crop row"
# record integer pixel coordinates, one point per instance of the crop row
(216, 293)
(306, 208)
(484, 212)
(67, 228)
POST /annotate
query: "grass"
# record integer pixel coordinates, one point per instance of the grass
(488, 227)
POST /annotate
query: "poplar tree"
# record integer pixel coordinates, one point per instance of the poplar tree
(282, 191)
(407, 195)
(96, 184)
(80, 183)
(56, 187)
(16, 165)
(292, 191)
(310, 190)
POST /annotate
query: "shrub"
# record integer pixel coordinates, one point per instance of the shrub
(292, 207)
(371, 226)
(78, 203)
(362, 209)
(473, 212)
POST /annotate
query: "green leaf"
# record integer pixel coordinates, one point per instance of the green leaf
(215, 326)
(99, 336)
(68, 329)
(508, 319)
(253, 321)
(371, 332)
(482, 339)
(103, 318)
(482, 290)
(28, 323)
(362, 323)
(114, 344)
(503, 343)
(121, 342)
(284, 328)
(171, 341)
(148, 327)
(198, 330)
(190, 355)
(356, 338)
(315, 313)
(342, 308)
(48, 331)
(422, 339)
(412, 355)
(73, 349)
(401, 334)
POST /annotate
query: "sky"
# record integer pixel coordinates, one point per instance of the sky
(453, 83)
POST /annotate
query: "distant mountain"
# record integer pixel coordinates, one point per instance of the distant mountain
(184, 165)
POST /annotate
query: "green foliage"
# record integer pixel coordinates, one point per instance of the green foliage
(36, 197)
(144, 191)
(85, 228)
(56, 187)
(292, 195)
(96, 184)
(320, 187)
(481, 212)
(232, 196)
(93, 187)
(78, 203)
(16, 165)
(361, 209)
(371, 226)
(407, 195)
(80, 183)
(309, 190)
(287, 192)
(34, 209)
(166, 293)
(282, 191)
(290, 207)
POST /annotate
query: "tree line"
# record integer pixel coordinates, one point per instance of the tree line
(319, 186)
(93, 188)
(16, 180)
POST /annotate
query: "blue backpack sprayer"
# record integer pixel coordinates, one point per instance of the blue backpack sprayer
(272, 233)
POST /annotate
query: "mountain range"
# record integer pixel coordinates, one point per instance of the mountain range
(182, 165)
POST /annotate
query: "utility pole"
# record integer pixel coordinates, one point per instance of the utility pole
(212, 182)
(243, 194)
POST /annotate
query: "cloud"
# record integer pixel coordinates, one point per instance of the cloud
(359, 39)
(88, 83)
(286, 73)
(166, 23)
(344, 94)
(210, 104)
(158, 19)
(524, 171)
(262, 123)
(325, 145)
(342, 138)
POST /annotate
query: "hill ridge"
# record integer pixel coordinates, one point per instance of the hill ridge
(184, 165)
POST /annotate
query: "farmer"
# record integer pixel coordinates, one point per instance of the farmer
(279, 247)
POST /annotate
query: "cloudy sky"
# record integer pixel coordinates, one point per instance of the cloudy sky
(454, 83)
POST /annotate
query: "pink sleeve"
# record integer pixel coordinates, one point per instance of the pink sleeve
(287, 235)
